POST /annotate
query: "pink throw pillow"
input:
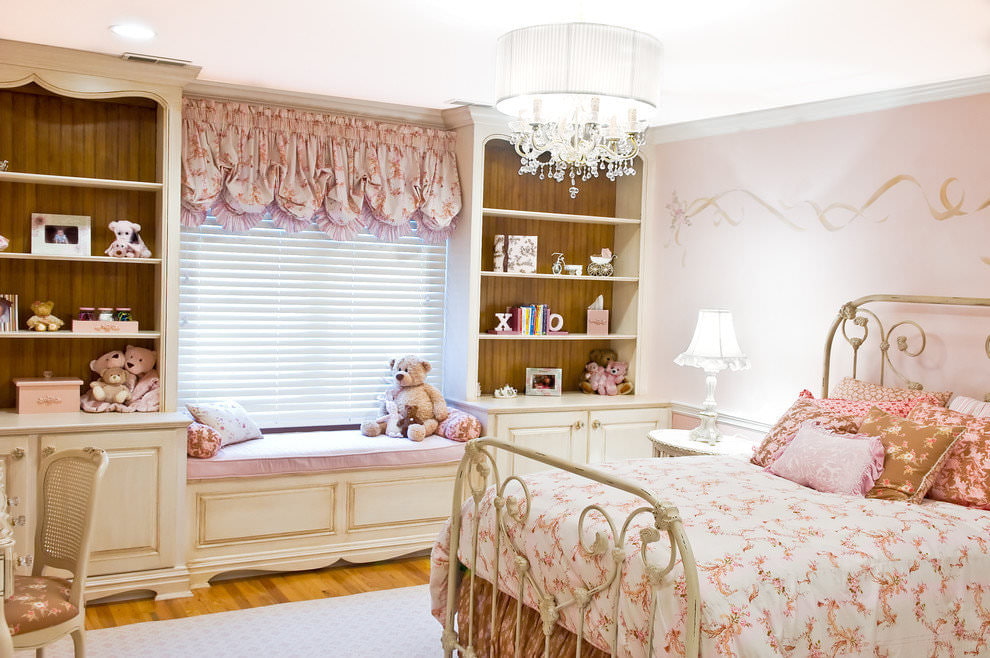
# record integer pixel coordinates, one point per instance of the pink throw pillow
(964, 478)
(460, 426)
(862, 407)
(827, 461)
(202, 441)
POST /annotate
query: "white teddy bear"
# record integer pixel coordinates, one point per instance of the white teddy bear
(128, 243)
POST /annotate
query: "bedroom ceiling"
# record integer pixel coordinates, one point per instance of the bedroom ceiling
(721, 56)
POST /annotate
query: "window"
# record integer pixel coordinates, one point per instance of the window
(299, 328)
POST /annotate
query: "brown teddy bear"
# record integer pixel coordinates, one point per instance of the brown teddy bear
(419, 408)
(595, 370)
(111, 386)
(43, 320)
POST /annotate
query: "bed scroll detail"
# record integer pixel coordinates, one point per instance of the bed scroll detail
(511, 502)
(907, 336)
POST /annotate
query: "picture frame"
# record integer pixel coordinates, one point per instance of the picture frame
(544, 381)
(8, 312)
(60, 235)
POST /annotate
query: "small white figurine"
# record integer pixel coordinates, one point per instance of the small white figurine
(505, 392)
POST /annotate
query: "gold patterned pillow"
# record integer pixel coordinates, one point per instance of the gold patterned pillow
(856, 389)
(915, 453)
(964, 479)
(802, 411)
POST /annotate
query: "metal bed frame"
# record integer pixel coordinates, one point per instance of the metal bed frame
(479, 467)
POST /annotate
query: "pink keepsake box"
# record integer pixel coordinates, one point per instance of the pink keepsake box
(47, 395)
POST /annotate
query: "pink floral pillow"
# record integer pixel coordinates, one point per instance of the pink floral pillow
(228, 418)
(202, 441)
(862, 407)
(856, 389)
(460, 426)
(827, 461)
(787, 427)
(965, 476)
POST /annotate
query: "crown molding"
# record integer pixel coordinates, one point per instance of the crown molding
(393, 112)
(828, 109)
(473, 115)
(68, 60)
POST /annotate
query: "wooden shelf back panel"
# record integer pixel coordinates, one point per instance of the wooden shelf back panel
(46, 134)
(18, 201)
(505, 188)
(505, 362)
(577, 243)
(65, 358)
(568, 298)
(72, 284)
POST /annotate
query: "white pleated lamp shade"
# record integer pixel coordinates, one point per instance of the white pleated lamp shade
(565, 65)
(714, 345)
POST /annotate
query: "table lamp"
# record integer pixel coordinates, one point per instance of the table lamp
(714, 348)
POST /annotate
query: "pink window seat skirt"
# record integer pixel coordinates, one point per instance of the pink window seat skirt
(309, 452)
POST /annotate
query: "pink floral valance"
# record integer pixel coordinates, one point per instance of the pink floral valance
(241, 162)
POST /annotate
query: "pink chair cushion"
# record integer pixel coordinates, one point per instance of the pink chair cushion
(38, 602)
(829, 461)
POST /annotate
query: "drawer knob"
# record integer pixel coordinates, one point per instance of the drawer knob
(596, 424)
(17, 453)
(19, 520)
(579, 425)
(48, 452)
(13, 501)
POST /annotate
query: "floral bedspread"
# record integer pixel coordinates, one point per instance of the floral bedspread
(784, 570)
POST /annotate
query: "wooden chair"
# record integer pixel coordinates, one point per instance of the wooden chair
(45, 608)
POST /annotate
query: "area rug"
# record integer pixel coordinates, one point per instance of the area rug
(394, 622)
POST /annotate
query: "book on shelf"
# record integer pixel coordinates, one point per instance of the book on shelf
(530, 320)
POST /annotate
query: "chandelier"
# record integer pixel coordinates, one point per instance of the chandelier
(580, 94)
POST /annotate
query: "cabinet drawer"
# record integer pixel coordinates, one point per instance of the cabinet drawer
(238, 517)
(390, 503)
(556, 433)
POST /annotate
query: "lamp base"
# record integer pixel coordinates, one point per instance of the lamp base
(707, 431)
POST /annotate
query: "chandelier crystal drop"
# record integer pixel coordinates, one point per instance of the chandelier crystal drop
(580, 94)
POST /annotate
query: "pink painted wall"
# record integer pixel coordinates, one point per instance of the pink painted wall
(788, 247)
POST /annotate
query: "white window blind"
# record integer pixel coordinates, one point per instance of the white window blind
(299, 328)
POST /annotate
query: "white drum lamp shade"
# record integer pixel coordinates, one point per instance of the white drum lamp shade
(567, 64)
(713, 348)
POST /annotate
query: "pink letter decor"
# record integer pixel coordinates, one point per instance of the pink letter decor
(241, 162)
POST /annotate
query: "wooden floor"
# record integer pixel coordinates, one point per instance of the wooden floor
(256, 591)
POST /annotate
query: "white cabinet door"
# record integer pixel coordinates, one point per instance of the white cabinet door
(19, 455)
(137, 512)
(556, 433)
(622, 433)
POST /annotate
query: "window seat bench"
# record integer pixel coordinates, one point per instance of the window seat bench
(307, 452)
(306, 500)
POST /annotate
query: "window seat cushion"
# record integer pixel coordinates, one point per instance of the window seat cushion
(309, 452)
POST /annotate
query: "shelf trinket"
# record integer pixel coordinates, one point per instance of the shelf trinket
(602, 265)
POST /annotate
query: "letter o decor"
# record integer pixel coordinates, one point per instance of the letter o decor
(556, 322)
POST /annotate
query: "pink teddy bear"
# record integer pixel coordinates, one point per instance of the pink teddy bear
(613, 375)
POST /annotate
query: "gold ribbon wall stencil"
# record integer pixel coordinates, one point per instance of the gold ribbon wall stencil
(832, 217)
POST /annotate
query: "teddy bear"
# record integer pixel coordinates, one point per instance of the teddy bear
(419, 406)
(592, 373)
(111, 386)
(141, 379)
(613, 379)
(128, 243)
(43, 320)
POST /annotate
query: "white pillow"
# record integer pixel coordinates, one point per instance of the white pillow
(970, 406)
(228, 418)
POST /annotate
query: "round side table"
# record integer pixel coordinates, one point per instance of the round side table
(677, 443)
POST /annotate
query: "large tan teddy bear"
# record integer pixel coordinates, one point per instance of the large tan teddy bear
(410, 404)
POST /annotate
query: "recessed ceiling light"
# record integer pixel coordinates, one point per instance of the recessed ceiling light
(133, 31)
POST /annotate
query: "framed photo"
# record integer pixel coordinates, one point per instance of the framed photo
(8, 312)
(544, 381)
(59, 235)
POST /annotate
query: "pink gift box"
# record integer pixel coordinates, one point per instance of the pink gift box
(104, 326)
(597, 323)
(39, 395)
